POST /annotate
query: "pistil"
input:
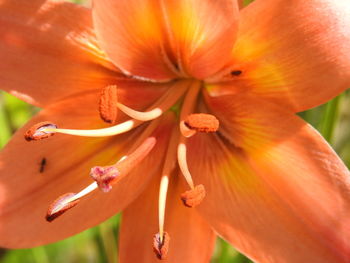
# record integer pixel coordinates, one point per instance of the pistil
(105, 176)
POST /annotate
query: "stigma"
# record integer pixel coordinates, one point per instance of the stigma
(105, 176)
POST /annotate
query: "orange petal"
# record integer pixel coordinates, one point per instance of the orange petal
(48, 51)
(27, 189)
(130, 31)
(191, 238)
(202, 33)
(275, 189)
(296, 55)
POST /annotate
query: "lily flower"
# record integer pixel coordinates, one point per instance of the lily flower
(181, 114)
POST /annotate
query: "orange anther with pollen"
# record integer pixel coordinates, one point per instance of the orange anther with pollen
(108, 106)
(60, 206)
(202, 122)
(161, 246)
(39, 132)
(194, 196)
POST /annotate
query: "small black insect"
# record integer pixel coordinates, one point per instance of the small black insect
(42, 165)
(236, 72)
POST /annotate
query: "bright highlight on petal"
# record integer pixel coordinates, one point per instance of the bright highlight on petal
(131, 33)
(49, 51)
(201, 33)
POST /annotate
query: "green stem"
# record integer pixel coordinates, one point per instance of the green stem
(329, 121)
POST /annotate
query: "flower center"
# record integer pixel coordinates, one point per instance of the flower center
(105, 177)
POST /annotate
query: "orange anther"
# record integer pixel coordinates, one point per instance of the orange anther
(161, 246)
(202, 122)
(60, 206)
(38, 132)
(108, 104)
(194, 196)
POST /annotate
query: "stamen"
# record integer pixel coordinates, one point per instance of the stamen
(169, 165)
(61, 205)
(108, 104)
(163, 189)
(202, 122)
(40, 131)
(138, 115)
(182, 160)
(163, 104)
(187, 109)
(161, 245)
(66, 202)
(110, 131)
(190, 100)
(105, 176)
(194, 196)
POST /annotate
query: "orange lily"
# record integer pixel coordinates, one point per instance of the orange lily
(273, 187)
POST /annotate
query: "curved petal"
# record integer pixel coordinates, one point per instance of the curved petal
(297, 55)
(130, 31)
(275, 189)
(48, 51)
(191, 238)
(201, 33)
(25, 192)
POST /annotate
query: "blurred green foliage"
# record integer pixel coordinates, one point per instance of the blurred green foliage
(99, 244)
